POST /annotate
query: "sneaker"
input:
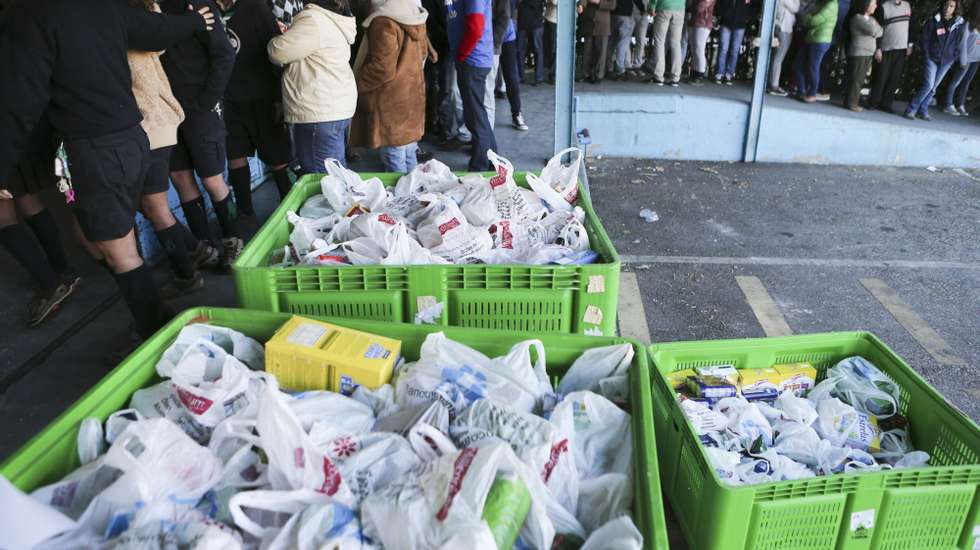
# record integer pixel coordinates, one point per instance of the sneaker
(808, 99)
(778, 91)
(177, 287)
(675, 84)
(519, 122)
(232, 249)
(823, 97)
(43, 304)
(655, 80)
(729, 81)
(206, 256)
(925, 117)
(950, 110)
(963, 111)
(718, 79)
(910, 116)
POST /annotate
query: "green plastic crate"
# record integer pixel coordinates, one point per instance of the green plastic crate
(924, 508)
(509, 297)
(52, 454)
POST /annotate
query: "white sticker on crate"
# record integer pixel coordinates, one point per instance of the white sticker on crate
(306, 334)
(593, 315)
(862, 523)
(423, 303)
(597, 284)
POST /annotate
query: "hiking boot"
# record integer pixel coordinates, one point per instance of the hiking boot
(232, 249)
(519, 122)
(206, 256)
(46, 303)
(177, 287)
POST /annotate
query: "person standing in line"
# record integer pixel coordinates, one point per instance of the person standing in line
(285, 10)
(510, 69)
(734, 16)
(70, 57)
(966, 69)
(894, 47)
(35, 243)
(471, 46)
(861, 46)
(698, 32)
(643, 20)
(199, 69)
(162, 115)
(623, 24)
(668, 26)
(942, 39)
(530, 33)
(594, 25)
(390, 85)
(253, 101)
(786, 11)
(819, 24)
(550, 38)
(318, 86)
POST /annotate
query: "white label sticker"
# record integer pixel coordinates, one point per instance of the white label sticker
(423, 303)
(593, 315)
(976, 531)
(862, 523)
(597, 283)
(307, 334)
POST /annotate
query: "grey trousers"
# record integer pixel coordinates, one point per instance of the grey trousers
(668, 26)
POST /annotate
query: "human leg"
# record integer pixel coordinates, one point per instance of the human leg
(724, 40)
(964, 86)
(550, 47)
(537, 42)
(929, 72)
(675, 31)
(734, 49)
(661, 22)
(510, 70)
(898, 59)
(472, 82)
(816, 53)
(776, 67)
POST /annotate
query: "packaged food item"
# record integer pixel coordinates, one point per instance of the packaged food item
(678, 379)
(759, 383)
(865, 435)
(797, 377)
(311, 355)
(711, 388)
(506, 508)
(727, 372)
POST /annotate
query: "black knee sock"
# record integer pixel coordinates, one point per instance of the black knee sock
(224, 210)
(241, 182)
(46, 231)
(197, 218)
(19, 241)
(190, 241)
(283, 184)
(140, 293)
(172, 239)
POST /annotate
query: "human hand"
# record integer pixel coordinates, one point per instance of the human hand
(908, 52)
(579, 9)
(878, 56)
(4, 194)
(433, 55)
(205, 14)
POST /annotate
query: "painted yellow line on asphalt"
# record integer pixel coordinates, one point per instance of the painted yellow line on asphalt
(765, 309)
(632, 316)
(929, 339)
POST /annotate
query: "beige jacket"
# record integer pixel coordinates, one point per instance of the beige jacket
(151, 88)
(317, 83)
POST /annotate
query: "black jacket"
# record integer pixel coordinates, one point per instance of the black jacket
(530, 14)
(250, 26)
(624, 8)
(198, 67)
(435, 27)
(70, 56)
(736, 14)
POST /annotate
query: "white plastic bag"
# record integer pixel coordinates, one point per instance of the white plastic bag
(915, 459)
(429, 177)
(594, 365)
(305, 231)
(795, 409)
(861, 385)
(562, 178)
(746, 422)
(724, 463)
(317, 207)
(314, 521)
(369, 462)
(702, 418)
(323, 253)
(603, 498)
(618, 534)
(245, 349)
(511, 202)
(598, 432)
(445, 231)
(91, 442)
(551, 197)
(344, 188)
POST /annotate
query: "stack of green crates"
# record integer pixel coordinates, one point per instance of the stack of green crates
(934, 507)
(53, 454)
(579, 299)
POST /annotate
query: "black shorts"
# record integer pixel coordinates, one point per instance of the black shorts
(108, 174)
(36, 170)
(200, 144)
(158, 173)
(255, 126)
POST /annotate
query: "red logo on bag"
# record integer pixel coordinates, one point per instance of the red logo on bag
(194, 403)
(506, 237)
(556, 451)
(572, 195)
(344, 446)
(444, 228)
(385, 218)
(299, 457)
(500, 178)
(331, 478)
(460, 468)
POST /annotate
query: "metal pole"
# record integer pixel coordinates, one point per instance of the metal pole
(760, 81)
(565, 76)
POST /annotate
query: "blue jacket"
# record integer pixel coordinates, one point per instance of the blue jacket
(942, 40)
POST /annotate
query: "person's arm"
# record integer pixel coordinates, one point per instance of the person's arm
(607, 5)
(221, 56)
(880, 16)
(963, 44)
(153, 32)
(502, 14)
(268, 29)
(382, 59)
(27, 53)
(300, 41)
(473, 26)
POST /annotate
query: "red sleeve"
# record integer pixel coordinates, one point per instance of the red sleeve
(471, 36)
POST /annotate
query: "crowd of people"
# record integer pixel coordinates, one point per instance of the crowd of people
(876, 40)
(129, 97)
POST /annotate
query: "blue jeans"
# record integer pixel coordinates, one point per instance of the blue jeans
(623, 25)
(807, 68)
(316, 142)
(472, 87)
(533, 38)
(729, 45)
(400, 159)
(959, 85)
(932, 76)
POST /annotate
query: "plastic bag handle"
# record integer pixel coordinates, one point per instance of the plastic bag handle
(423, 436)
(287, 502)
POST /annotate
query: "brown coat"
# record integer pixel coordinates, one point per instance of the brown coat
(595, 19)
(391, 86)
